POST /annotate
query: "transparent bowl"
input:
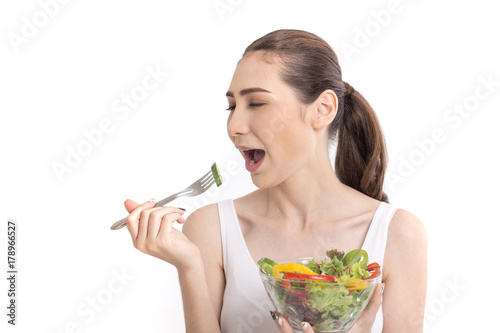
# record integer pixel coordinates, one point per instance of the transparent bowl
(328, 307)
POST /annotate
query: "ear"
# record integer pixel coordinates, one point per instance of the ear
(324, 109)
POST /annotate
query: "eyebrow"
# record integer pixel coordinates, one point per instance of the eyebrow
(248, 91)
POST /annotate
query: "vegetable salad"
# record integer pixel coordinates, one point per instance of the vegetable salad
(325, 293)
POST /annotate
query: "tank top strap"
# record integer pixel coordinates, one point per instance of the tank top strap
(234, 250)
(376, 237)
(246, 305)
(224, 216)
(375, 244)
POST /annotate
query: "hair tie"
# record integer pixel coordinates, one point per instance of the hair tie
(348, 89)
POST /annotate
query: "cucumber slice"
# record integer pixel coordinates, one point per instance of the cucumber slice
(217, 176)
(267, 265)
(267, 261)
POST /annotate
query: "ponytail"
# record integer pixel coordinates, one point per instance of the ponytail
(361, 158)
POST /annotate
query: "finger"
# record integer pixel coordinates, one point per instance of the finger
(166, 224)
(283, 325)
(306, 327)
(182, 219)
(144, 220)
(130, 205)
(156, 217)
(133, 217)
(136, 212)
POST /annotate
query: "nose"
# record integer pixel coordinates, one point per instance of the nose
(237, 124)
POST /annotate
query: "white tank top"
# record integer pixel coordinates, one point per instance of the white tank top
(246, 306)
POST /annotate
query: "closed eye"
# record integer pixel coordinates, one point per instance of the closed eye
(252, 105)
(256, 105)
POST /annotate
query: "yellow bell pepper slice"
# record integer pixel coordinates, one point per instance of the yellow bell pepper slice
(278, 270)
(356, 286)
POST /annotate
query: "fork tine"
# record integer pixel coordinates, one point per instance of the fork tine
(209, 184)
(208, 176)
(209, 179)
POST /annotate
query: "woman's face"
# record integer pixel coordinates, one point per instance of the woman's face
(267, 123)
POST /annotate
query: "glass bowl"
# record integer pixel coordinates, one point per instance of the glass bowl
(328, 307)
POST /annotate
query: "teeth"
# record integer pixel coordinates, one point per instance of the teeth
(251, 162)
(244, 149)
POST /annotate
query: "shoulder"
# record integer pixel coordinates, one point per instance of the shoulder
(202, 227)
(405, 274)
(205, 217)
(406, 243)
(406, 230)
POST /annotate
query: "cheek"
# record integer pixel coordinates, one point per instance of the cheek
(295, 145)
(292, 145)
(228, 130)
(274, 126)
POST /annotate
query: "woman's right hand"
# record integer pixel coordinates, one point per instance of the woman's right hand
(152, 233)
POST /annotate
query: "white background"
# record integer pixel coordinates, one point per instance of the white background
(64, 77)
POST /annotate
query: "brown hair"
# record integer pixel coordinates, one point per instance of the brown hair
(310, 66)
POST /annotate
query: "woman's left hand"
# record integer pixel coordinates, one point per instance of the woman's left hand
(363, 324)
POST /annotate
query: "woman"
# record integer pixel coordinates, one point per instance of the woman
(287, 101)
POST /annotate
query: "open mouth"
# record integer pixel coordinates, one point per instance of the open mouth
(253, 156)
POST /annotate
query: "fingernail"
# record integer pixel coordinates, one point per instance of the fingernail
(152, 200)
(181, 208)
(304, 326)
(382, 289)
(280, 322)
(273, 315)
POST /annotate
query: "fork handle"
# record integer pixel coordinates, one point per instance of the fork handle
(123, 222)
(119, 224)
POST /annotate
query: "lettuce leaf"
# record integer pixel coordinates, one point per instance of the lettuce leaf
(312, 265)
(326, 298)
(358, 272)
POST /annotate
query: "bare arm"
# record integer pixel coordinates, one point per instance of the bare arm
(405, 266)
(199, 312)
(203, 284)
(196, 253)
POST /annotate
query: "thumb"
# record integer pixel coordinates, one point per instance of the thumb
(130, 205)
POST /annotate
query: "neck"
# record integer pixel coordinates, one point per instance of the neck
(307, 195)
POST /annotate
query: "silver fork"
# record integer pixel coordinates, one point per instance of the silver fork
(196, 188)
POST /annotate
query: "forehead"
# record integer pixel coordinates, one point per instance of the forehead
(256, 70)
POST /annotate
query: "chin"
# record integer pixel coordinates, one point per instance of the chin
(261, 182)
